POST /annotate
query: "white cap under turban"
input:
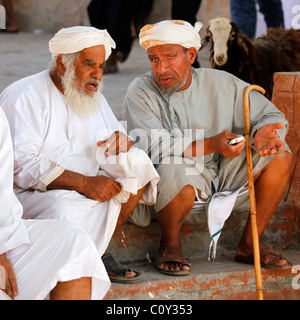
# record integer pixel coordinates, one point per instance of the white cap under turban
(171, 32)
(75, 39)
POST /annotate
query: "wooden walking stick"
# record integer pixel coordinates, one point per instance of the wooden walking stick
(256, 250)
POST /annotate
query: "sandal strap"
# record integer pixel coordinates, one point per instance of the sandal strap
(113, 265)
(265, 250)
(172, 253)
(275, 255)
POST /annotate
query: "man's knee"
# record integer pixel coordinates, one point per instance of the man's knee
(180, 206)
(280, 165)
(185, 198)
(187, 193)
(283, 161)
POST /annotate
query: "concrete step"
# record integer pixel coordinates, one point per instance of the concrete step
(224, 279)
(133, 243)
(136, 247)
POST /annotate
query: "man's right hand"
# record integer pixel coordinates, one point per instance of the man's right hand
(216, 144)
(100, 188)
(220, 144)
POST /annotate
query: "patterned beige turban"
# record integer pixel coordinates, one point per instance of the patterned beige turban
(75, 39)
(171, 32)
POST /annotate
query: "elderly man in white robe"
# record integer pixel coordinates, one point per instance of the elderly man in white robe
(185, 118)
(73, 160)
(42, 259)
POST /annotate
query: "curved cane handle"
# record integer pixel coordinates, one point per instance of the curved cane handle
(246, 104)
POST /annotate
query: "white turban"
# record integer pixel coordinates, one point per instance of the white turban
(171, 32)
(75, 39)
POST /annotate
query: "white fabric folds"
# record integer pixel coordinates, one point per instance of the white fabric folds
(42, 252)
(171, 32)
(60, 251)
(75, 39)
(218, 208)
(133, 170)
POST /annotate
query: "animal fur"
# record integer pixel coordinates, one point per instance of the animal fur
(256, 61)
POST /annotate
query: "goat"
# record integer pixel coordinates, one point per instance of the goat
(254, 61)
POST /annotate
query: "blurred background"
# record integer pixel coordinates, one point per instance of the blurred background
(51, 15)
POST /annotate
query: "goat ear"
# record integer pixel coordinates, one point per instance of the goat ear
(240, 38)
(234, 26)
(205, 41)
(241, 42)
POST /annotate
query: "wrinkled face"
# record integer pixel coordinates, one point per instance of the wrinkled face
(89, 69)
(220, 33)
(171, 65)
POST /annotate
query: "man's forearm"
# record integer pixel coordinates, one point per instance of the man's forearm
(69, 180)
(200, 148)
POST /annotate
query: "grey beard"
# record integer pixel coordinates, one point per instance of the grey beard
(170, 91)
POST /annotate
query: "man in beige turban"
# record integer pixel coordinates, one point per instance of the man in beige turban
(72, 157)
(184, 118)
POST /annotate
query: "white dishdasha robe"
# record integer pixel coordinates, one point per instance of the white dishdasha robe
(49, 137)
(42, 252)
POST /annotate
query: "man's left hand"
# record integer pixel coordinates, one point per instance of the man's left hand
(116, 143)
(267, 141)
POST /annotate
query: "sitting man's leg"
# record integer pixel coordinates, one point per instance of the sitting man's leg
(78, 289)
(176, 197)
(62, 261)
(138, 165)
(171, 219)
(270, 184)
(128, 207)
(117, 272)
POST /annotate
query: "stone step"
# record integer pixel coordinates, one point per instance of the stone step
(136, 244)
(224, 279)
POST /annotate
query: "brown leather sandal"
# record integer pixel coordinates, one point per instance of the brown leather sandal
(172, 254)
(265, 250)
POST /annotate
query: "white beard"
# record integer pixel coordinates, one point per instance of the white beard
(83, 104)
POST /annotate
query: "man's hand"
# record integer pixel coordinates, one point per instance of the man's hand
(100, 188)
(11, 288)
(267, 141)
(116, 143)
(220, 144)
